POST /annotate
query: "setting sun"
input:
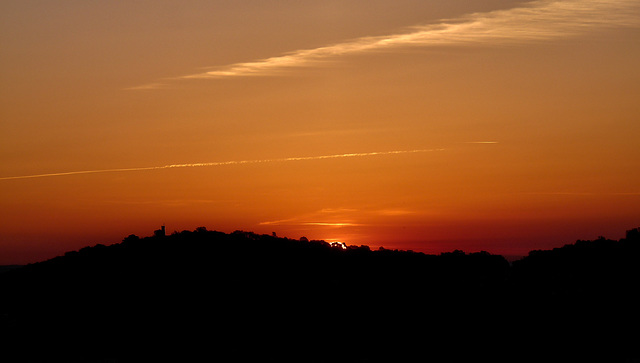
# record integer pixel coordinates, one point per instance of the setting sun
(497, 125)
(319, 181)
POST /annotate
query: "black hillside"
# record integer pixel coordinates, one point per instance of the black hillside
(213, 296)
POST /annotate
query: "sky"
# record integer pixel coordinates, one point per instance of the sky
(492, 125)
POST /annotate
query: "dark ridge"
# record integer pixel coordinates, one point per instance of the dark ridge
(211, 296)
(4, 268)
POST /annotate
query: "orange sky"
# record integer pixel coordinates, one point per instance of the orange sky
(493, 125)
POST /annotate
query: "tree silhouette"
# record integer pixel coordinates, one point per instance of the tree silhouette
(202, 293)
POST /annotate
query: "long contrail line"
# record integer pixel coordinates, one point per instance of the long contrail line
(222, 163)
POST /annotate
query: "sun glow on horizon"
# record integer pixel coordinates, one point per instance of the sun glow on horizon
(497, 125)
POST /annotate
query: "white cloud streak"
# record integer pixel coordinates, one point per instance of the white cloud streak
(541, 20)
(329, 217)
(224, 163)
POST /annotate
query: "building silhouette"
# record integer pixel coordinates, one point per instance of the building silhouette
(160, 232)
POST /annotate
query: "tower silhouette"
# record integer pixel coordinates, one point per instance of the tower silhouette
(160, 232)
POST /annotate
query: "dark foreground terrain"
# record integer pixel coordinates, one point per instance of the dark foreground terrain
(215, 297)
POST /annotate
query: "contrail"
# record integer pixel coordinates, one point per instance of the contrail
(223, 163)
(481, 142)
(540, 20)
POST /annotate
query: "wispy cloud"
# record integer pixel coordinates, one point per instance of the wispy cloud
(225, 163)
(149, 86)
(586, 194)
(541, 20)
(481, 142)
(342, 217)
(328, 217)
(394, 212)
(317, 224)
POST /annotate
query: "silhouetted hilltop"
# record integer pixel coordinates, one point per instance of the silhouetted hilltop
(238, 296)
(585, 269)
(249, 258)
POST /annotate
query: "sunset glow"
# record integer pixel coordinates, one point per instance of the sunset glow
(496, 125)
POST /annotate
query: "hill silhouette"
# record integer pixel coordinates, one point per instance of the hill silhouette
(211, 296)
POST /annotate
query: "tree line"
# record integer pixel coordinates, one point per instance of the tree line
(241, 295)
